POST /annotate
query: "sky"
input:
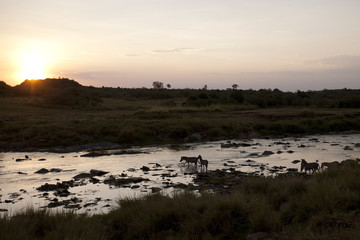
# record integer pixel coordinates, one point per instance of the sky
(289, 45)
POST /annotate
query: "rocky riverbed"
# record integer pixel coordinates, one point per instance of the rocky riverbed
(93, 181)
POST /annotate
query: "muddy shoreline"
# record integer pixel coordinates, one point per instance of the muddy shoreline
(98, 146)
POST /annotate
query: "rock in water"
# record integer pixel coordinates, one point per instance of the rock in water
(98, 172)
(42, 171)
(145, 168)
(83, 175)
(267, 153)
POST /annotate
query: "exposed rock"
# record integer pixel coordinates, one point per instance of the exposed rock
(55, 187)
(94, 180)
(73, 206)
(55, 204)
(166, 175)
(100, 153)
(83, 175)
(112, 180)
(145, 168)
(98, 172)
(267, 153)
(42, 171)
(292, 169)
(62, 193)
(90, 204)
(75, 200)
(157, 165)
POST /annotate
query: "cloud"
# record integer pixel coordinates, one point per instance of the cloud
(134, 54)
(176, 50)
(339, 62)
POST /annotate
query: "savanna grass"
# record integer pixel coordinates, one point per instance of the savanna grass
(156, 121)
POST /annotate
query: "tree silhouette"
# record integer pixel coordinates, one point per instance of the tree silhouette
(158, 85)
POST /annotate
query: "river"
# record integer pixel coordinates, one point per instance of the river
(19, 182)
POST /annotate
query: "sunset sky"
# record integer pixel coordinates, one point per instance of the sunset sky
(290, 45)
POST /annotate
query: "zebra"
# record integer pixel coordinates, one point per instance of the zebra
(189, 160)
(309, 166)
(330, 164)
(203, 162)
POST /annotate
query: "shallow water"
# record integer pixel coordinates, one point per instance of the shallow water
(18, 180)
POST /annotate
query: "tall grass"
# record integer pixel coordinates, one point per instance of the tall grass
(44, 225)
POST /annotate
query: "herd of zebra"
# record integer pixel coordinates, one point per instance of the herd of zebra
(195, 160)
(305, 166)
(314, 166)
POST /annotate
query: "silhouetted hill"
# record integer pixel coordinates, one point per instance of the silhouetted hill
(4, 89)
(4, 86)
(44, 87)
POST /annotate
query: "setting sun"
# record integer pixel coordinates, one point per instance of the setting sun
(33, 67)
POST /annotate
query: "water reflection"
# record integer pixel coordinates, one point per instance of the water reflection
(18, 180)
(187, 168)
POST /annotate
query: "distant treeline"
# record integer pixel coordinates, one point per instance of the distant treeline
(64, 91)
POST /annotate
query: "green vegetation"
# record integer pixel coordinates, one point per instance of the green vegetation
(61, 112)
(323, 206)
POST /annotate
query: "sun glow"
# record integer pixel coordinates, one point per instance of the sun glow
(33, 67)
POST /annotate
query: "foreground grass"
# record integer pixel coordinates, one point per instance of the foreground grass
(26, 122)
(323, 206)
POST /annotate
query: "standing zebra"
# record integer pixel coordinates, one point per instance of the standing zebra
(313, 166)
(203, 162)
(189, 160)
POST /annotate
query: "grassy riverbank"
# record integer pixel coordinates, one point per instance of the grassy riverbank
(27, 123)
(323, 206)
